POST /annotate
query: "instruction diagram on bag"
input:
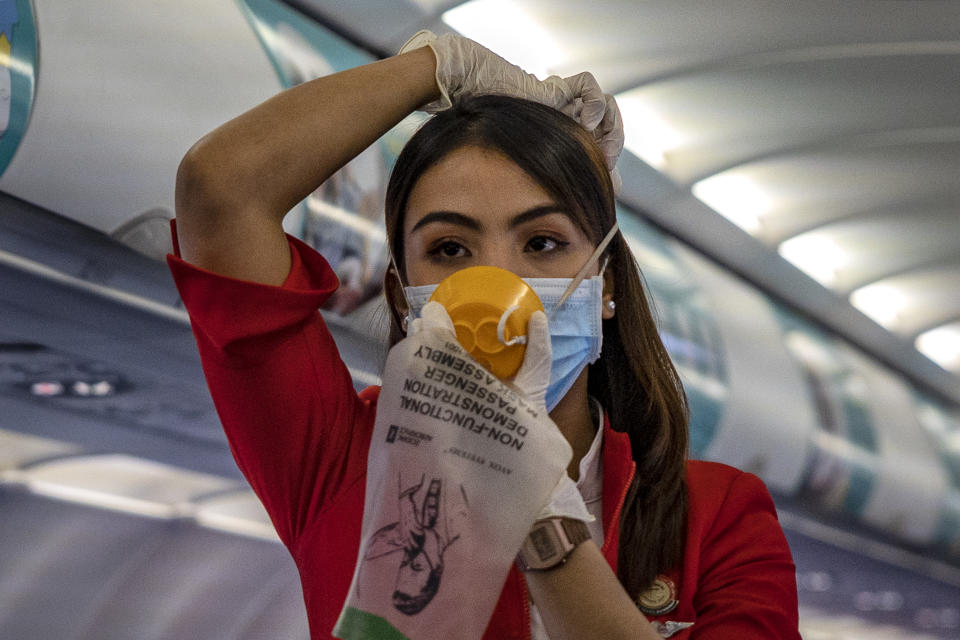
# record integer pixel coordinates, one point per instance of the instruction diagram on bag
(431, 518)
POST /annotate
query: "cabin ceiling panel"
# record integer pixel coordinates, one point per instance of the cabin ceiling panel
(810, 189)
(930, 298)
(722, 119)
(878, 247)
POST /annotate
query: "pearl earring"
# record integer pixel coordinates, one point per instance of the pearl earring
(611, 305)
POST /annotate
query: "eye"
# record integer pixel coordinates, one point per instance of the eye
(543, 244)
(447, 249)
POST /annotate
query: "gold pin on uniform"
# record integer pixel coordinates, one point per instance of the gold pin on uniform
(660, 598)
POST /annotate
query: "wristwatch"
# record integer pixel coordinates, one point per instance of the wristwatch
(550, 542)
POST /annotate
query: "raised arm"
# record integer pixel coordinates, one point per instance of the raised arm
(235, 185)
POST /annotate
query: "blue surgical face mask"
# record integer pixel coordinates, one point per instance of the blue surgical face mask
(573, 307)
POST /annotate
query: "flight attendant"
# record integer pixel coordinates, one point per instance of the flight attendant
(510, 172)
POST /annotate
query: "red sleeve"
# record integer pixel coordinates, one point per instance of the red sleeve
(747, 588)
(295, 425)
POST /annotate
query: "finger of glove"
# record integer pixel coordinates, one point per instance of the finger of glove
(552, 91)
(566, 501)
(533, 377)
(585, 87)
(610, 132)
(434, 316)
(571, 108)
(616, 180)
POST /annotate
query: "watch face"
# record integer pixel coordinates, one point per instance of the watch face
(545, 543)
(550, 542)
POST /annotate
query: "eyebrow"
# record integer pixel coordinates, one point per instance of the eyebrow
(463, 220)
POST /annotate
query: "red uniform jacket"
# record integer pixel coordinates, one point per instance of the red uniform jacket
(301, 434)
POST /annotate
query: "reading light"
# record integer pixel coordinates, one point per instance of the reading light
(646, 133)
(881, 302)
(816, 254)
(736, 197)
(942, 345)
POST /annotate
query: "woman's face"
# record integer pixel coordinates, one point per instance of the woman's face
(476, 207)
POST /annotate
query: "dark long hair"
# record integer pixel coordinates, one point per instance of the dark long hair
(634, 378)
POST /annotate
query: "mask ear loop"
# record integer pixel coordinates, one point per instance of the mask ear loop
(577, 279)
(403, 291)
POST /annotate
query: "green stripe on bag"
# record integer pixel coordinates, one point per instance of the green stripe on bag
(355, 624)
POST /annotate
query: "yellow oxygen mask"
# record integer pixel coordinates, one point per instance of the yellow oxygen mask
(490, 308)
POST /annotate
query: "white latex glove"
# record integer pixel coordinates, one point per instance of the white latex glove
(465, 67)
(432, 317)
(532, 380)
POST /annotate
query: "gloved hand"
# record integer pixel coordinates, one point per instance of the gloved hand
(532, 380)
(598, 113)
(458, 468)
(533, 376)
(465, 67)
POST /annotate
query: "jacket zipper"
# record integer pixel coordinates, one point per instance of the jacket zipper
(526, 611)
(616, 514)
